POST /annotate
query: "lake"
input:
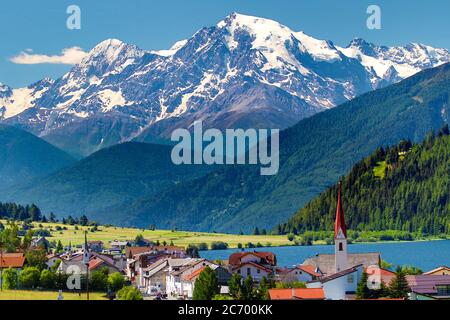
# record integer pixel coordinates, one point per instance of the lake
(425, 255)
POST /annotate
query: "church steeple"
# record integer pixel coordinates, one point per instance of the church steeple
(340, 235)
(86, 254)
(340, 228)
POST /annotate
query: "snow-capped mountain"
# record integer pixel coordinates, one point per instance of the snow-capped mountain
(391, 64)
(15, 101)
(243, 72)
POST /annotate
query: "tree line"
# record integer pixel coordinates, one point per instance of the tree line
(33, 213)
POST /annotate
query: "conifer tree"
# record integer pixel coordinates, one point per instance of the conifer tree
(206, 286)
(235, 286)
(398, 287)
(363, 292)
(248, 289)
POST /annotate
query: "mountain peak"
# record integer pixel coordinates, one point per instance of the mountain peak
(358, 42)
(111, 55)
(112, 49)
(256, 25)
(292, 76)
(109, 43)
(367, 48)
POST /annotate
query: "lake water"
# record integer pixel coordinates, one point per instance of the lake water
(425, 255)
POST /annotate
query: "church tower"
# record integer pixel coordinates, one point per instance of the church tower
(340, 236)
(86, 254)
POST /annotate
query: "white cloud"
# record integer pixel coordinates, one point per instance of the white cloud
(72, 56)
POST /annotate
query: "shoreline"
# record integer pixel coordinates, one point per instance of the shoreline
(331, 245)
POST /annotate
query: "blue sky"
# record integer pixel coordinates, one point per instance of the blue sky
(153, 24)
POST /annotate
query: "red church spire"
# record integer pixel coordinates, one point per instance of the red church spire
(340, 218)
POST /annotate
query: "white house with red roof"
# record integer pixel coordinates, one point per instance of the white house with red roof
(189, 279)
(254, 264)
(301, 273)
(341, 285)
(94, 261)
(178, 269)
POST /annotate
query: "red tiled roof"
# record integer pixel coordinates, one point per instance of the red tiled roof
(235, 258)
(194, 274)
(13, 260)
(94, 263)
(385, 275)
(380, 271)
(309, 269)
(305, 268)
(297, 294)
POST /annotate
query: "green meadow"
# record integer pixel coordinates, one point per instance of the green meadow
(47, 295)
(75, 236)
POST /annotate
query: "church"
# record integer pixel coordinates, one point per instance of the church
(342, 270)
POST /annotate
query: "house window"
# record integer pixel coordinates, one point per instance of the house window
(258, 271)
(443, 291)
(249, 271)
(351, 278)
(341, 247)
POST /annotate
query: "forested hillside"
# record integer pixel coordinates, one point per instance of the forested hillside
(406, 188)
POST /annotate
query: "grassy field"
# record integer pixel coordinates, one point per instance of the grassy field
(179, 238)
(46, 295)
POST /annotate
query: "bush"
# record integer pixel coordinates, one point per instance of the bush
(61, 280)
(129, 293)
(202, 246)
(47, 279)
(10, 279)
(29, 277)
(99, 280)
(116, 281)
(219, 245)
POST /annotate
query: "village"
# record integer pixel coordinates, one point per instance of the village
(160, 272)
